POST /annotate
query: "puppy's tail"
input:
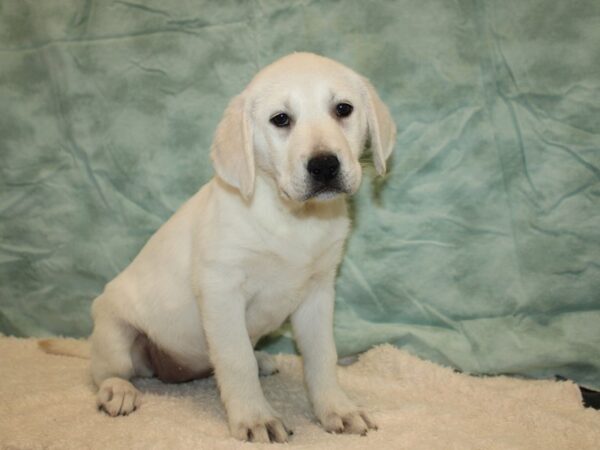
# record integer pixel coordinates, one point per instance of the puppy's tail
(66, 347)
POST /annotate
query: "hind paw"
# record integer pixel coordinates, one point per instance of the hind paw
(118, 397)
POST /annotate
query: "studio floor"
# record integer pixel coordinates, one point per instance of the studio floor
(47, 402)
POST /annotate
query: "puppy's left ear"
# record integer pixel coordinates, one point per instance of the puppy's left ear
(382, 129)
(232, 149)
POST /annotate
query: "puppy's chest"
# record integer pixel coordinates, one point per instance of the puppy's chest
(275, 276)
(279, 277)
(273, 292)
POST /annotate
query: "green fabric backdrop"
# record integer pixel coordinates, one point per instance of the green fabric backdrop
(480, 249)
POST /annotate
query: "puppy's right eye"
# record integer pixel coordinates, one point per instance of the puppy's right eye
(280, 120)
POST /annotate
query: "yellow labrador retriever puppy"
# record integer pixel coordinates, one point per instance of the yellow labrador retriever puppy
(259, 243)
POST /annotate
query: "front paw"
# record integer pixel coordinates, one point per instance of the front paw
(353, 422)
(259, 426)
(345, 419)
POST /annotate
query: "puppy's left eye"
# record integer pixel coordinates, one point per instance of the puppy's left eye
(343, 109)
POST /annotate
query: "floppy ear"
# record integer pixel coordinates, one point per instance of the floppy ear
(381, 128)
(232, 150)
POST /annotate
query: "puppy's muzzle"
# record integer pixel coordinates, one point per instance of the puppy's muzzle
(324, 170)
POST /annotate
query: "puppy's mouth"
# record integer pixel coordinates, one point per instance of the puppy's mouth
(310, 189)
(324, 192)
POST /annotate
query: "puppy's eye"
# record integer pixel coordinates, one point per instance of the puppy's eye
(343, 109)
(280, 120)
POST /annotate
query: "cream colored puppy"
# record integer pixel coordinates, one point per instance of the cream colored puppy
(259, 243)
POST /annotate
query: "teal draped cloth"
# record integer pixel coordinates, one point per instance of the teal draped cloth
(479, 250)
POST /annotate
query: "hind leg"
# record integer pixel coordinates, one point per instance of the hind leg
(118, 397)
(113, 365)
(266, 363)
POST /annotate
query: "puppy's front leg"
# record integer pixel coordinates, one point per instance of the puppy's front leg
(236, 370)
(313, 330)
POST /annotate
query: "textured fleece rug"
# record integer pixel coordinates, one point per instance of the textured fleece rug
(47, 402)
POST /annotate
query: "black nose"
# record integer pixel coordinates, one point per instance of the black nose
(323, 167)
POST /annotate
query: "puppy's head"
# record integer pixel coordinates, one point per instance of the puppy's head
(303, 121)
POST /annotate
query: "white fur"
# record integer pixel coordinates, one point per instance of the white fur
(248, 251)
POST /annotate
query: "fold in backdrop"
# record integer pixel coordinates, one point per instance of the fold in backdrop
(480, 249)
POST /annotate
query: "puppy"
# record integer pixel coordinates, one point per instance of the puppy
(259, 243)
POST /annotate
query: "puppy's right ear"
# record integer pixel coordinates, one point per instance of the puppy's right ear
(232, 150)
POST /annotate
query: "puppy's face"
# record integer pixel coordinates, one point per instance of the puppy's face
(309, 127)
(303, 121)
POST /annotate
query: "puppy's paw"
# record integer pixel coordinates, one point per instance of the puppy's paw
(338, 414)
(352, 422)
(259, 426)
(266, 364)
(118, 397)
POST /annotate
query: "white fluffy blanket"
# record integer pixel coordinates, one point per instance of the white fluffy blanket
(47, 402)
